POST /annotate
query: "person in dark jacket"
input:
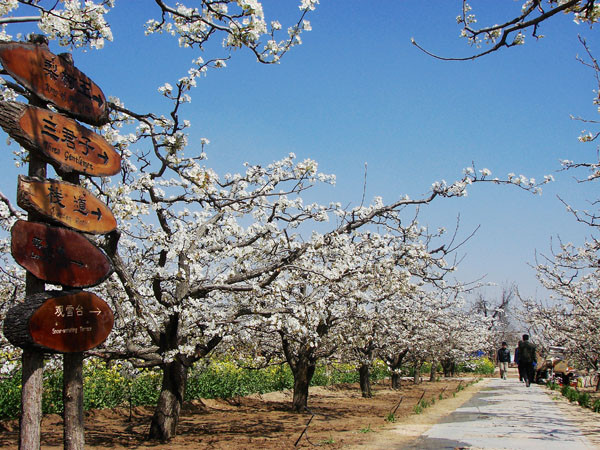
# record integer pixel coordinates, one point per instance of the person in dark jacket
(527, 359)
(503, 358)
(519, 366)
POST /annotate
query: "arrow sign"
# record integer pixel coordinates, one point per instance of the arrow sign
(58, 255)
(59, 321)
(59, 140)
(104, 157)
(55, 80)
(97, 213)
(66, 203)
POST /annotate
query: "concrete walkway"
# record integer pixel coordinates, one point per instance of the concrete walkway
(505, 415)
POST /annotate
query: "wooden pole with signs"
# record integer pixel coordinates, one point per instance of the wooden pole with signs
(32, 360)
(73, 430)
(68, 321)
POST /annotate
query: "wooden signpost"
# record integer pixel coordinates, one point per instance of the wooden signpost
(66, 203)
(65, 321)
(64, 143)
(59, 321)
(54, 79)
(58, 255)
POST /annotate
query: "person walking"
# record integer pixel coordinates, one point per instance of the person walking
(503, 358)
(519, 366)
(527, 359)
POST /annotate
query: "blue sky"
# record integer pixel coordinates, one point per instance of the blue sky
(358, 92)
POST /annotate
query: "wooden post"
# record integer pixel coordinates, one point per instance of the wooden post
(32, 360)
(32, 363)
(74, 438)
(73, 401)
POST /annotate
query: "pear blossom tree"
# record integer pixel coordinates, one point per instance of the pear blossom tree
(569, 317)
(421, 326)
(363, 340)
(383, 331)
(394, 358)
(340, 296)
(499, 315)
(566, 326)
(322, 292)
(178, 276)
(527, 19)
(459, 335)
(433, 326)
(379, 328)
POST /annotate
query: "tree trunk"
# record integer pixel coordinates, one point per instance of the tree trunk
(449, 367)
(166, 415)
(303, 373)
(433, 371)
(417, 373)
(396, 380)
(365, 380)
(31, 399)
(394, 363)
(73, 401)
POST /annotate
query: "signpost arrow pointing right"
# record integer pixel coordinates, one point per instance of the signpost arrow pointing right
(104, 157)
(97, 213)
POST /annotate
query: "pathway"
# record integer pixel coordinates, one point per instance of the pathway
(505, 414)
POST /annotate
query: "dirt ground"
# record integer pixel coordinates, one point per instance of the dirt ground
(342, 418)
(588, 421)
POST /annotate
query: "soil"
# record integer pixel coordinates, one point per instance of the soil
(339, 417)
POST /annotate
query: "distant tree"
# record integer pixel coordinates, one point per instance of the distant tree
(332, 288)
(497, 311)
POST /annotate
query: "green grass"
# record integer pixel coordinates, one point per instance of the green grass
(584, 399)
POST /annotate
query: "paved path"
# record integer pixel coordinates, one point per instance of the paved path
(505, 415)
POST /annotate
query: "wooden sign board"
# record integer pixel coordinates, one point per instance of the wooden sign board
(61, 321)
(63, 142)
(66, 203)
(58, 255)
(54, 80)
